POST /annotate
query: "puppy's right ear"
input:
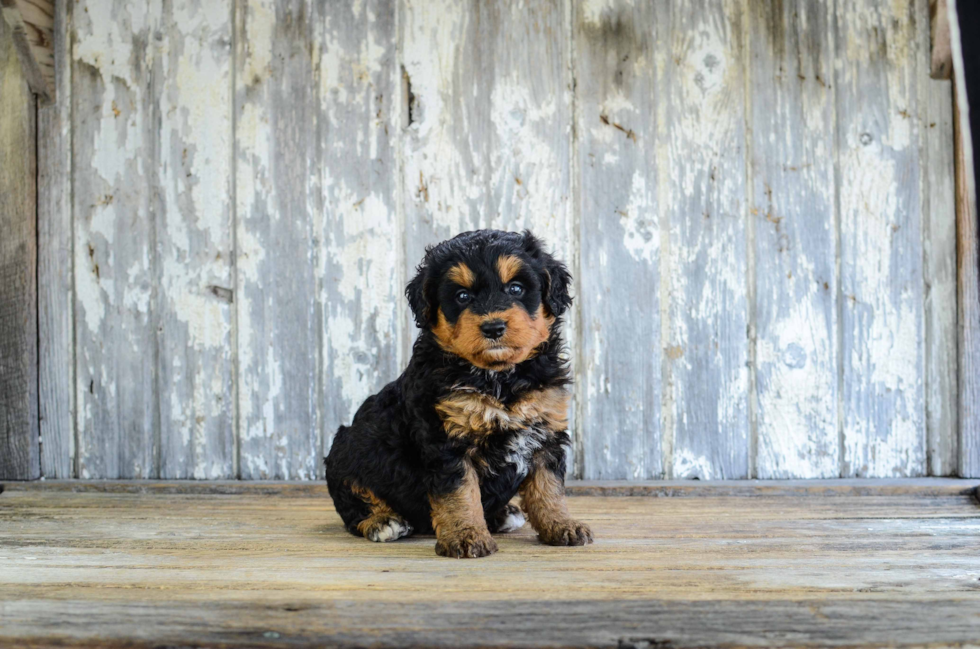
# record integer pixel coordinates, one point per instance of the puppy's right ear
(417, 293)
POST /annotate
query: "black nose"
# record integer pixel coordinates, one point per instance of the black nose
(493, 329)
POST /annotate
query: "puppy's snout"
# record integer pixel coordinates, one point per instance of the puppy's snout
(493, 329)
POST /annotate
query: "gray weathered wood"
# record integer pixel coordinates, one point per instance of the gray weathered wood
(833, 488)
(884, 421)
(937, 172)
(445, 146)
(616, 64)
(275, 169)
(359, 288)
(487, 123)
(968, 265)
(55, 292)
(193, 240)
(528, 77)
(115, 123)
(244, 223)
(703, 198)
(582, 624)
(791, 148)
(826, 564)
(19, 447)
(941, 58)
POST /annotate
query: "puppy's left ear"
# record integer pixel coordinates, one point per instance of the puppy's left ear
(417, 293)
(555, 278)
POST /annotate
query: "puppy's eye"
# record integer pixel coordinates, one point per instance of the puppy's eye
(463, 297)
(515, 289)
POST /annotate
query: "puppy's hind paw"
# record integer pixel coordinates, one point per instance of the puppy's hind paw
(567, 532)
(382, 530)
(468, 543)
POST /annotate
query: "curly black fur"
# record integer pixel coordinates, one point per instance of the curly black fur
(397, 446)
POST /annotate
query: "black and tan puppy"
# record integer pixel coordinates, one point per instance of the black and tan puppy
(478, 416)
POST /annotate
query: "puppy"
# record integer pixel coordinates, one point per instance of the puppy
(478, 416)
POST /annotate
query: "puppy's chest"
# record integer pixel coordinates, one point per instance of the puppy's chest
(513, 430)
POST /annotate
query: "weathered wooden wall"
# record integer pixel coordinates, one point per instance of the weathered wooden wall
(19, 444)
(756, 200)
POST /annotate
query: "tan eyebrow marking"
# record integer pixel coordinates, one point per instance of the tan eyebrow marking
(508, 266)
(462, 275)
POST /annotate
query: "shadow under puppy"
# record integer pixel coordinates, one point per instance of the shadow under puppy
(479, 414)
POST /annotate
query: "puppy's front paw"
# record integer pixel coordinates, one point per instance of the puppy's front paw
(382, 529)
(566, 532)
(467, 543)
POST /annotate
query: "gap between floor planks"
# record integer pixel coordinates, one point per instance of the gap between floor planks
(653, 488)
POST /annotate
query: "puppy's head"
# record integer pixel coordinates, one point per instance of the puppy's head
(490, 297)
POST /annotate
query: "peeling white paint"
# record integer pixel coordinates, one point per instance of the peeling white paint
(687, 465)
(489, 146)
(641, 231)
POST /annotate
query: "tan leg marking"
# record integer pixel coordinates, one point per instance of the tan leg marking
(543, 500)
(383, 523)
(461, 530)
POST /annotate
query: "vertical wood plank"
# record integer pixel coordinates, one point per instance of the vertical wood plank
(967, 261)
(527, 74)
(113, 168)
(791, 151)
(529, 120)
(704, 201)
(56, 338)
(193, 239)
(616, 60)
(356, 220)
(939, 248)
(19, 448)
(277, 330)
(969, 303)
(445, 145)
(881, 240)
(487, 129)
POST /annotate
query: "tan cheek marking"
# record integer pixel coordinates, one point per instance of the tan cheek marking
(525, 333)
(443, 332)
(508, 266)
(461, 274)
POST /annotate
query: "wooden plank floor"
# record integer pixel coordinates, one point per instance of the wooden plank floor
(827, 563)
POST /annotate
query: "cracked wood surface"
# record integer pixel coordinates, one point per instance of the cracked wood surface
(889, 566)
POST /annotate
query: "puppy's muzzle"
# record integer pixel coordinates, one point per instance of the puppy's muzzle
(493, 329)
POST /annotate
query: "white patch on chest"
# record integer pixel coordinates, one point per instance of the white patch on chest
(522, 446)
(473, 416)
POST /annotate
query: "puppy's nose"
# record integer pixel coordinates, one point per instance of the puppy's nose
(493, 329)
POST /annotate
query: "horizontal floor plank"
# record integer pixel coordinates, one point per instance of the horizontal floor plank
(894, 568)
(632, 624)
